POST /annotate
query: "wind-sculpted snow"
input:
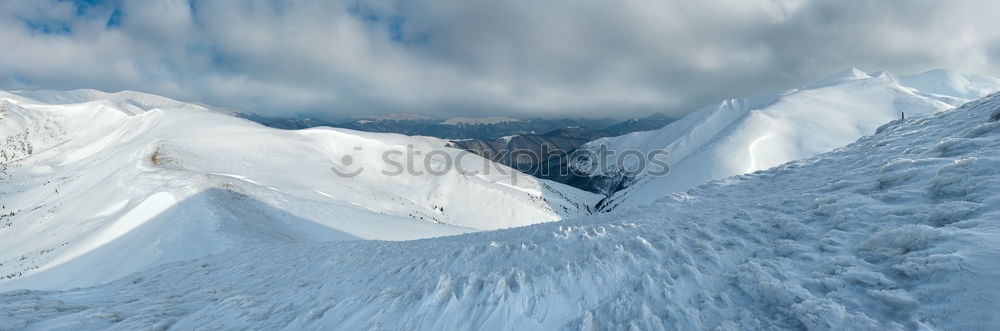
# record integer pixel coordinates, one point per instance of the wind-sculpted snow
(897, 231)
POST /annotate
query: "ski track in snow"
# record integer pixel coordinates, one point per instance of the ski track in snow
(897, 231)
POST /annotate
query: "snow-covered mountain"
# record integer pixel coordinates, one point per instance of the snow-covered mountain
(131, 102)
(98, 185)
(739, 136)
(897, 231)
(947, 84)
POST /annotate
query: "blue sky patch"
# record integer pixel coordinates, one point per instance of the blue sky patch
(372, 17)
(54, 28)
(115, 20)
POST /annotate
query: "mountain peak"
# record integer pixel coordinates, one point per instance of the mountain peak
(840, 77)
(886, 74)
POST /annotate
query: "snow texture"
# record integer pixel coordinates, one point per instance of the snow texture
(897, 231)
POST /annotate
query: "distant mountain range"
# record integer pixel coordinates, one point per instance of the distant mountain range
(534, 146)
(651, 122)
(486, 129)
(539, 155)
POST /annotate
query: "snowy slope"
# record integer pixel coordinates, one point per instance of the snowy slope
(131, 101)
(897, 231)
(949, 84)
(744, 135)
(122, 180)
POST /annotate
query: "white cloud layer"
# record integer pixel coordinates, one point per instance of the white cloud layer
(527, 58)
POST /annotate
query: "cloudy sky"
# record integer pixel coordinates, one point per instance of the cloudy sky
(522, 58)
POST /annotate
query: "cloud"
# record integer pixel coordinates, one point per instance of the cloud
(558, 58)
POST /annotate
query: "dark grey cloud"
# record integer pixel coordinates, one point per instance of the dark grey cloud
(593, 58)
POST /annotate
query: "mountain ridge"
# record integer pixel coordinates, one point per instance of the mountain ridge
(79, 178)
(896, 230)
(739, 136)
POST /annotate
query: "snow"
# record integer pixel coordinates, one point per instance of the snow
(896, 231)
(92, 182)
(506, 139)
(848, 75)
(745, 135)
(944, 82)
(129, 101)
